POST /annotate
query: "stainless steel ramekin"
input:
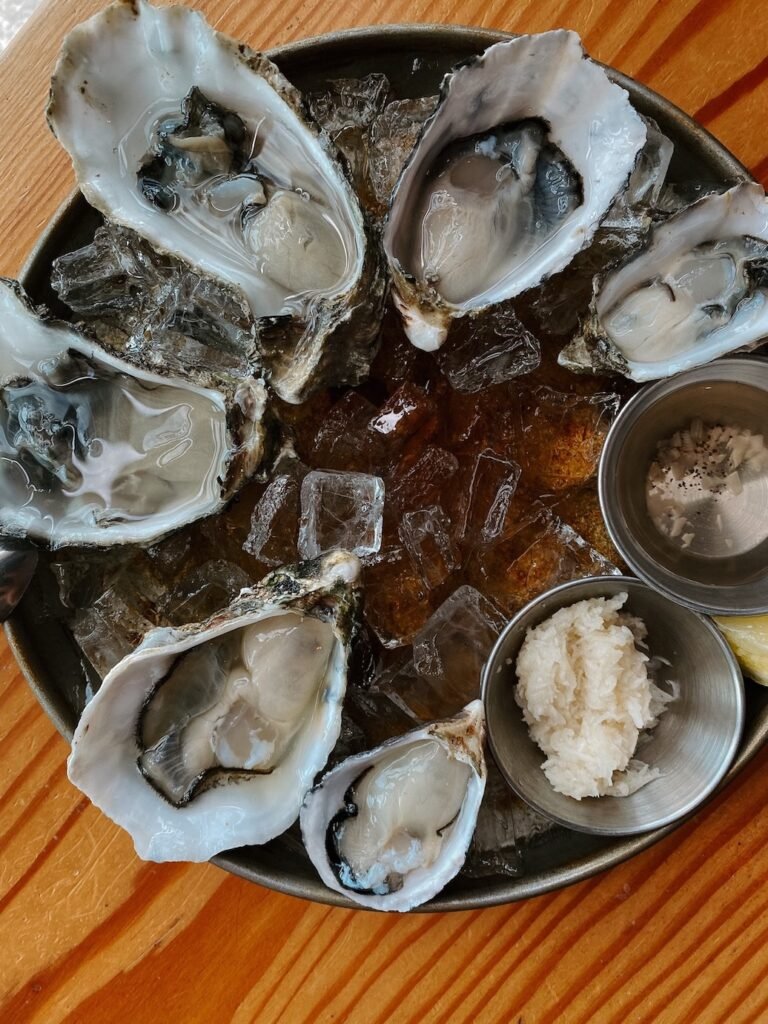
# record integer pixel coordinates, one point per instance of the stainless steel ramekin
(692, 746)
(727, 391)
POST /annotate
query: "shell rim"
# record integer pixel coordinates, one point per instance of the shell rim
(426, 36)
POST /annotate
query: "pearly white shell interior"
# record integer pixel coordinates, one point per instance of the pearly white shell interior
(157, 448)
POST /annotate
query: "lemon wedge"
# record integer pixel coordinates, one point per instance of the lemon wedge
(747, 636)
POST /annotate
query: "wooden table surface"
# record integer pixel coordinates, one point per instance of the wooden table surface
(89, 933)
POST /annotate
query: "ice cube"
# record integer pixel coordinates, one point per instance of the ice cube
(645, 183)
(650, 172)
(676, 195)
(344, 441)
(529, 824)
(449, 653)
(487, 351)
(402, 684)
(408, 411)
(168, 555)
(427, 539)
(349, 102)
(485, 499)
(127, 586)
(153, 308)
(74, 581)
(164, 349)
(505, 825)
(346, 109)
(494, 849)
(393, 135)
(343, 510)
(560, 436)
(454, 644)
(485, 419)
(419, 483)
(580, 509)
(204, 590)
(110, 629)
(464, 416)
(82, 577)
(99, 641)
(273, 538)
(537, 556)
(396, 601)
(103, 277)
(376, 716)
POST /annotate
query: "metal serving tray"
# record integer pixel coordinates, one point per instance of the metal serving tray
(414, 58)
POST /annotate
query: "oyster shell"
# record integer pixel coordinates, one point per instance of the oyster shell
(203, 148)
(95, 451)
(698, 291)
(527, 148)
(390, 827)
(207, 737)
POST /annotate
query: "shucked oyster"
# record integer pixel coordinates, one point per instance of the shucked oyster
(391, 827)
(202, 147)
(95, 451)
(698, 291)
(208, 736)
(525, 152)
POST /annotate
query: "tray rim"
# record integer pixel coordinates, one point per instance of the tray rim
(517, 888)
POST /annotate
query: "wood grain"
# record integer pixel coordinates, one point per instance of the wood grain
(90, 934)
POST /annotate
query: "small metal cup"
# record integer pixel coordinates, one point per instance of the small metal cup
(692, 745)
(727, 391)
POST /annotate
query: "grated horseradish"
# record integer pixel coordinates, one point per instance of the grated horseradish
(585, 688)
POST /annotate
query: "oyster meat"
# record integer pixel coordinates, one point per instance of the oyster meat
(95, 451)
(698, 291)
(204, 149)
(391, 827)
(207, 737)
(527, 149)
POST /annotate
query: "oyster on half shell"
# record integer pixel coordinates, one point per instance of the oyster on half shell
(698, 291)
(391, 827)
(527, 148)
(207, 737)
(203, 148)
(98, 452)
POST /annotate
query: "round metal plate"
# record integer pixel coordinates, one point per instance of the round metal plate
(414, 58)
